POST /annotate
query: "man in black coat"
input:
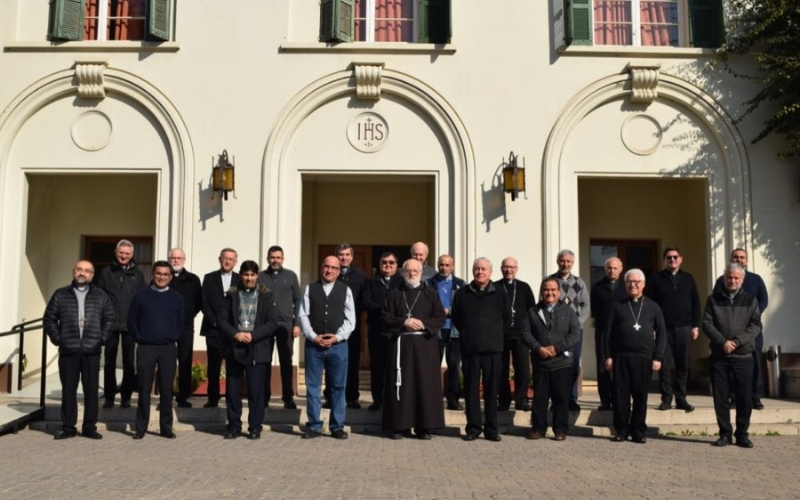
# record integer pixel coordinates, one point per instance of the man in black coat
(188, 285)
(482, 315)
(385, 280)
(731, 322)
(121, 280)
(79, 319)
(245, 321)
(215, 287)
(605, 292)
(551, 330)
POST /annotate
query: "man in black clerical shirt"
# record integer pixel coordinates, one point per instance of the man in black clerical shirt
(633, 343)
(604, 293)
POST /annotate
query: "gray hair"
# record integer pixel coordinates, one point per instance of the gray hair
(564, 253)
(633, 271)
(411, 261)
(733, 266)
(482, 259)
(341, 247)
(124, 243)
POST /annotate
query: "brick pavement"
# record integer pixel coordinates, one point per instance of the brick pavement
(201, 465)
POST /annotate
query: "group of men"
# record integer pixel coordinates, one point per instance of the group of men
(415, 319)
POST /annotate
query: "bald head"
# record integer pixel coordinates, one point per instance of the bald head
(509, 268)
(613, 268)
(419, 251)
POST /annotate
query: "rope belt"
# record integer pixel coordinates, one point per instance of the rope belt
(399, 371)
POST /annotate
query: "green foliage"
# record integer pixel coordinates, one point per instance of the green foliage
(769, 31)
(687, 432)
(772, 433)
(199, 375)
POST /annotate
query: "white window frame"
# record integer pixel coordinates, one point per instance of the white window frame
(370, 21)
(103, 19)
(636, 23)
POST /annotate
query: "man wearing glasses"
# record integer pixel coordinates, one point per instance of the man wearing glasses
(675, 291)
(633, 343)
(372, 298)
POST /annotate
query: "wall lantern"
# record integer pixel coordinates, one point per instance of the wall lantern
(223, 176)
(513, 176)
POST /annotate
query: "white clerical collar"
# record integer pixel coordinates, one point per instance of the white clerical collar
(159, 289)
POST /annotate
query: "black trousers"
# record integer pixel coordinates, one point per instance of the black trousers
(604, 388)
(378, 352)
(214, 352)
(284, 340)
(450, 351)
(489, 365)
(234, 373)
(551, 385)
(185, 350)
(128, 366)
(758, 377)
(520, 359)
(576, 368)
(631, 376)
(740, 371)
(86, 369)
(148, 357)
(679, 340)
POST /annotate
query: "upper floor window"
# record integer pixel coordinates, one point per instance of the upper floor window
(651, 23)
(109, 20)
(422, 21)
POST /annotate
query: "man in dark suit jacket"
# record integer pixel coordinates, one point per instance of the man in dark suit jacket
(215, 287)
(605, 292)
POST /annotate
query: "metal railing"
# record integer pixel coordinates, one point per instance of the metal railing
(21, 329)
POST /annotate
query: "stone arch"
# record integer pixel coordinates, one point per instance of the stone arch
(277, 170)
(559, 227)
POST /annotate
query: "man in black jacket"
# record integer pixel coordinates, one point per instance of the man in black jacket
(675, 291)
(215, 287)
(731, 322)
(79, 319)
(385, 280)
(605, 292)
(482, 315)
(551, 330)
(121, 280)
(188, 285)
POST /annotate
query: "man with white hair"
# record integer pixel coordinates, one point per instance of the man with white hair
(633, 343)
(419, 252)
(731, 322)
(412, 316)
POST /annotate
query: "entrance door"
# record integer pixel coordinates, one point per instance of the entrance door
(641, 254)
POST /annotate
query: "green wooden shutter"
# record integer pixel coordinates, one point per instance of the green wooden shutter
(66, 20)
(579, 22)
(706, 23)
(434, 23)
(336, 20)
(158, 20)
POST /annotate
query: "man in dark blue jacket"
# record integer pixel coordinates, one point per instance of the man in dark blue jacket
(155, 319)
(79, 319)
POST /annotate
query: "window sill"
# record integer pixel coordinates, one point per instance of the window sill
(370, 48)
(647, 52)
(91, 47)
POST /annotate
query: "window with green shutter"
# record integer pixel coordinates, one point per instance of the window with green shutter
(158, 20)
(336, 21)
(109, 20)
(66, 20)
(408, 21)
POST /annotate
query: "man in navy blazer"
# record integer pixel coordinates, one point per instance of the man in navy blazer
(215, 286)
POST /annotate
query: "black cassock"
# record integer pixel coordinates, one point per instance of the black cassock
(417, 401)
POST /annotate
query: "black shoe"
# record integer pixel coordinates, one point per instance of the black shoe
(327, 404)
(524, 406)
(254, 435)
(375, 407)
(456, 406)
(290, 405)
(354, 405)
(64, 434)
(493, 437)
(211, 404)
(722, 441)
(604, 407)
(757, 404)
(620, 438)
(339, 434)
(503, 407)
(664, 406)
(397, 435)
(168, 434)
(471, 436)
(744, 442)
(311, 434)
(138, 435)
(109, 403)
(232, 434)
(424, 435)
(685, 406)
(639, 438)
(125, 403)
(92, 435)
(574, 406)
(184, 404)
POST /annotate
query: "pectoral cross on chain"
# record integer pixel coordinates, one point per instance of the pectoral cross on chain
(637, 327)
(246, 323)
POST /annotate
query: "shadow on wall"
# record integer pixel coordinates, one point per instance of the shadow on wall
(494, 202)
(210, 203)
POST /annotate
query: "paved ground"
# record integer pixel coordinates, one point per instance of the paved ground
(200, 465)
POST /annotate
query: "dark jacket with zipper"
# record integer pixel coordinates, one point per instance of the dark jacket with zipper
(561, 330)
(61, 318)
(121, 284)
(482, 318)
(264, 328)
(679, 300)
(739, 321)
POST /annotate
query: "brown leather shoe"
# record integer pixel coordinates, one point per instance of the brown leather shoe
(560, 436)
(534, 435)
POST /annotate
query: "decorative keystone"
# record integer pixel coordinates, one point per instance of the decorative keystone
(368, 80)
(90, 79)
(644, 80)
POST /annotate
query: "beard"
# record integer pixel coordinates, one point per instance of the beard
(412, 283)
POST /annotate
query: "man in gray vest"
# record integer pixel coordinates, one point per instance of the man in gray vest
(327, 318)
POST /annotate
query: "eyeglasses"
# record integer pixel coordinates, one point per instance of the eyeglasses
(162, 275)
(672, 257)
(634, 283)
(390, 262)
